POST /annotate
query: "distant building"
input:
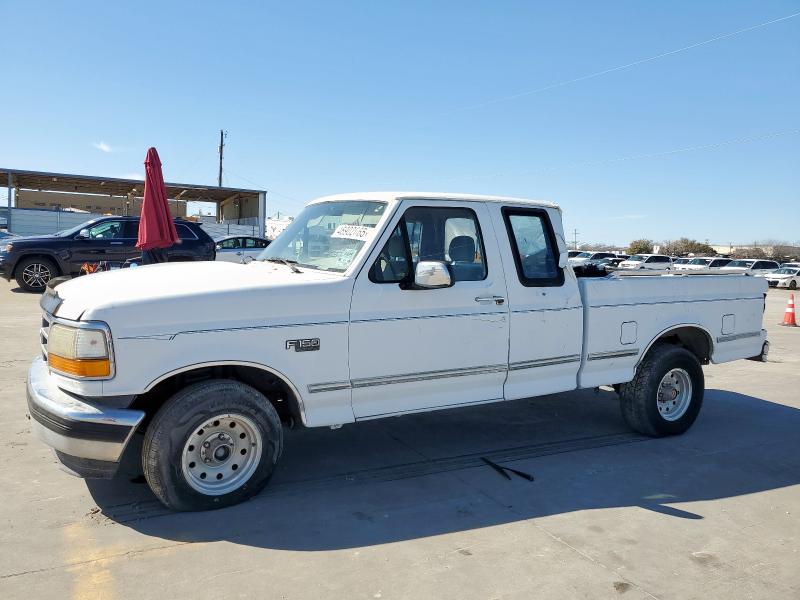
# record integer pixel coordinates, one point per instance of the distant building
(740, 248)
(92, 203)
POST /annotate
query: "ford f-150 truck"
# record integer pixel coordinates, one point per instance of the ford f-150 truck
(367, 306)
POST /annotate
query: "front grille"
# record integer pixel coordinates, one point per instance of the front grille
(772, 283)
(44, 332)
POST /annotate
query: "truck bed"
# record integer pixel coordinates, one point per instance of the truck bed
(624, 314)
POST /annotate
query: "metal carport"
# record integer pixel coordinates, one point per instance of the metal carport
(252, 203)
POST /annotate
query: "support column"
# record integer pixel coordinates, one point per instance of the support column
(11, 202)
(262, 213)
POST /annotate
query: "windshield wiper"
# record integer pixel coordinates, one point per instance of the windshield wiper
(289, 263)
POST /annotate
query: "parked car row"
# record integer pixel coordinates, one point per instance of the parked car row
(107, 243)
(697, 264)
(662, 262)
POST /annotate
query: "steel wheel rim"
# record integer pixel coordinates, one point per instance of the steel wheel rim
(36, 275)
(221, 454)
(674, 394)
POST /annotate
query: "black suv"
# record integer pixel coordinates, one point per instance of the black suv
(100, 244)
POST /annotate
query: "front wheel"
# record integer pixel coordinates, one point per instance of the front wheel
(32, 274)
(213, 444)
(792, 285)
(665, 395)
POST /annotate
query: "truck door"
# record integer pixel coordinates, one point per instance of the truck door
(546, 313)
(416, 349)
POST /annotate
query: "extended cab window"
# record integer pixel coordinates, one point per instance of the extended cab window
(534, 247)
(449, 235)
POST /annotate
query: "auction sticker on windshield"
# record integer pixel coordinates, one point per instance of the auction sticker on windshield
(353, 232)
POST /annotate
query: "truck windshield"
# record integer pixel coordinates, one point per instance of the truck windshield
(637, 258)
(699, 261)
(746, 264)
(584, 255)
(327, 235)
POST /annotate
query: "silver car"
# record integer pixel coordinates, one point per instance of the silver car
(236, 248)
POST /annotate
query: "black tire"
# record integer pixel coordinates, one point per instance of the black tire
(793, 285)
(44, 268)
(639, 397)
(180, 417)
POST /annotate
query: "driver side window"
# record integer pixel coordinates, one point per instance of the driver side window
(449, 235)
(107, 230)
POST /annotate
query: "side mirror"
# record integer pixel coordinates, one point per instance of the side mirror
(563, 260)
(83, 234)
(431, 275)
(218, 247)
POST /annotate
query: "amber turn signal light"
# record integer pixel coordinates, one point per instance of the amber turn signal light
(95, 367)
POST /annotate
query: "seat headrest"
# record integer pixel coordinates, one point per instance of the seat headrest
(462, 249)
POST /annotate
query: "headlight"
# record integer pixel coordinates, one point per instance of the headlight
(8, 247)
(80, 352)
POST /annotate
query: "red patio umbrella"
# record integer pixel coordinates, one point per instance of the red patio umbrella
(156, 228)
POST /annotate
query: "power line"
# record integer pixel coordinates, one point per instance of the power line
(592, 163)
(628, 65)
(258, 185)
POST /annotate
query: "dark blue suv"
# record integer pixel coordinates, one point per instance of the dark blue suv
(100, 244)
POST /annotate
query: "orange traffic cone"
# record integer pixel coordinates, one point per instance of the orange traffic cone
(788, 317)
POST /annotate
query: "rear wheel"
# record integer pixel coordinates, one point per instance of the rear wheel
(665, 395)
(213, 444)
(792, 285)
(33, 273)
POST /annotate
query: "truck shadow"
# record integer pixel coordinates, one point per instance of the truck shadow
(422, 475)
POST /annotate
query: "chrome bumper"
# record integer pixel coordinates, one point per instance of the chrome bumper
(89, 438)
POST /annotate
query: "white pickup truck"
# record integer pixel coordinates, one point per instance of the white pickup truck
(367, 306)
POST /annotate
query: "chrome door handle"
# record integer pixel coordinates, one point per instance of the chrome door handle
(116, 243)
(499, 300)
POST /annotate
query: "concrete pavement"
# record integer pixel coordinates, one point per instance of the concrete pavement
(405, 508)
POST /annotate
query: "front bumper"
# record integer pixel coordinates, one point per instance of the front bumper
(5, 266)
(88, 438)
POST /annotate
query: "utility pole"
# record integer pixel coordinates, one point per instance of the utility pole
(574, 239)
(222, 136)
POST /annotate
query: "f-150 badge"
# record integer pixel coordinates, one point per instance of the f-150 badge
(306, 345)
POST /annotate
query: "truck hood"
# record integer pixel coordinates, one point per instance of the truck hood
(159, 298)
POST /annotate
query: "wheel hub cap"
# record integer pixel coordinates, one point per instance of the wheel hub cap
(221, 454)
(36, 275)
(674, 394)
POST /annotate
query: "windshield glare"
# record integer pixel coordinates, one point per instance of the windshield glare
(787, 271)
(740, 263)
(699, 261)
(637, 258)
(74, 230)
(327, 235)
(584, 255)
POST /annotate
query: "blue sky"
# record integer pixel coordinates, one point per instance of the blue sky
(328, 97)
